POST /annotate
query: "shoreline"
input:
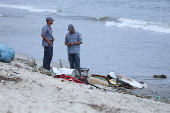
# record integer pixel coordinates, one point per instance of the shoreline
(156, 92)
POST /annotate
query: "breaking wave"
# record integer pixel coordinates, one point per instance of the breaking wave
(100, 18)
(140, 24)
(30, 8)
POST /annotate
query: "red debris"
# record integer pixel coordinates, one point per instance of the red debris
(69, 78)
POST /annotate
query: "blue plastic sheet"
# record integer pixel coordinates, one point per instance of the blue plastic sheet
(7, 53)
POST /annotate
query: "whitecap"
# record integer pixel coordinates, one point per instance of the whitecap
(100, 18)
(140, 24)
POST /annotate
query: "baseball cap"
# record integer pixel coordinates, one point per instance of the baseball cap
(70, 27)
(49, 18)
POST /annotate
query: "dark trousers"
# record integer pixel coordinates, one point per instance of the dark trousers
(48, 54)
(74, 60)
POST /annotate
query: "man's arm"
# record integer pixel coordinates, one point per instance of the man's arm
(77, 43)
(79, 40)
(45, 38)
(69, 44)
(73, 43)
(66, 42)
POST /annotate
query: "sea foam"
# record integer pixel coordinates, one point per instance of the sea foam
(30, 8)
(140, 24)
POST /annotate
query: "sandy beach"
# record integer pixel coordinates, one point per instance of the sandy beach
(28, 91)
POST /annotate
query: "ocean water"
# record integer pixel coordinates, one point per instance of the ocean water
(129, 37)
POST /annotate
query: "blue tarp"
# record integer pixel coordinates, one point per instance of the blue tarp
(7, 53)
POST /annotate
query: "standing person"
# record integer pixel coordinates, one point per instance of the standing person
(73, 40)
(47, 43)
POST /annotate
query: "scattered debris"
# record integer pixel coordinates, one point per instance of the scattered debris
(10, 78)
(66, 71)
(160, 76)
(132, 82)
(119, 81)
(17, 65)
(71, 72)
(111, 75)
(84, 71)
(94, 80)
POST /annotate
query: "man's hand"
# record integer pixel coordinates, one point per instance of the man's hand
(53, 39)
(49, 43)
(71, 43)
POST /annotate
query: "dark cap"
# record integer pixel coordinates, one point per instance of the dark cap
(49, 18)
(70, 27)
